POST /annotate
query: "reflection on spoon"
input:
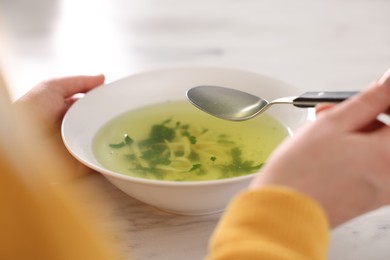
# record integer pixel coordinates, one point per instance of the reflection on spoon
(236, 105)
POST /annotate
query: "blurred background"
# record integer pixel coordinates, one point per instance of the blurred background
(316, 45)
(313, 45)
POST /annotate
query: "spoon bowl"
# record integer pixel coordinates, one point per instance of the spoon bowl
(235, 105)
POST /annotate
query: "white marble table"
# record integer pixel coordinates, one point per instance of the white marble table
(314, 45)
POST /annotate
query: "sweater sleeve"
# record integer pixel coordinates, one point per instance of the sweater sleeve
(271, 223)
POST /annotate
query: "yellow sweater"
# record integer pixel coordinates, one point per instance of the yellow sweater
(271, 223)
(40, 220)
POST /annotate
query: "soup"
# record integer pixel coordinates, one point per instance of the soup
(175, 141)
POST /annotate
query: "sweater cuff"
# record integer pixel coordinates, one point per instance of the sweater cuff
(275, 222)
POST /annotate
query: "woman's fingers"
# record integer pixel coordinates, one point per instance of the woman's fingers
(362, 109)
(385, 79)
(323, 107)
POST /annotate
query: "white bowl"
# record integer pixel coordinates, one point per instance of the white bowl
(97, 107)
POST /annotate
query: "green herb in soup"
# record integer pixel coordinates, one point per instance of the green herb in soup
(186, 149)
(175, 141)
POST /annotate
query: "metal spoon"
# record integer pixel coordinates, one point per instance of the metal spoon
(236, 105)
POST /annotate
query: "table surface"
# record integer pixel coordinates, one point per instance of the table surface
(313, 45)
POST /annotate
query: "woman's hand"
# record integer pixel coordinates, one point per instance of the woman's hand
(49, 100)
(342, 160)
(46, 105)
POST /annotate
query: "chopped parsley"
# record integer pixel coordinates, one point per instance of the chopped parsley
(164, 152)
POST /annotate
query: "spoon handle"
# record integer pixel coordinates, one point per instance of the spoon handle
(311, 99)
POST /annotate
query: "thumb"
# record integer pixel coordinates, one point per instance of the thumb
(363, 108)
(68, 86)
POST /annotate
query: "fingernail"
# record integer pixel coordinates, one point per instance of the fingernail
(385, 77)
(384, 81)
